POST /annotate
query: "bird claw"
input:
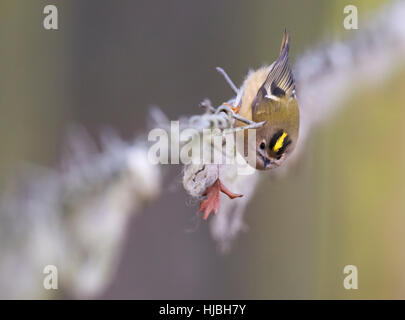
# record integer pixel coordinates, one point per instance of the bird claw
(212, 202)
(234, 109)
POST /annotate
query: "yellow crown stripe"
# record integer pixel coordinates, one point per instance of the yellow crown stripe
(279, 143)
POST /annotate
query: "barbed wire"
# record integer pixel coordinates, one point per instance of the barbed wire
(77, 217)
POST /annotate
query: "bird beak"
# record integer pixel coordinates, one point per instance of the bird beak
(266, 163)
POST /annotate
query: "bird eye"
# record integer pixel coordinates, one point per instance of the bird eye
(279, 157)
(262, 146)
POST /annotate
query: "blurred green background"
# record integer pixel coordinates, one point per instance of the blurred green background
(342, 204)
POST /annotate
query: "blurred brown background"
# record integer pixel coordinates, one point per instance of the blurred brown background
(110, 61)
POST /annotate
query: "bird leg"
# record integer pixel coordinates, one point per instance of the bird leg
(234, 109)
(212, 202)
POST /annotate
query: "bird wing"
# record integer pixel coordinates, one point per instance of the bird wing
(280, 79)
(279, 83)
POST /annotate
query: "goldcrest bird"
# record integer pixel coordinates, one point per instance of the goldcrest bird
(269, 95)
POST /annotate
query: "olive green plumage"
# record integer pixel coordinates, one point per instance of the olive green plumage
(269, 95)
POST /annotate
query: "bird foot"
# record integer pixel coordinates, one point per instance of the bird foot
(212, 202)
(234, 109)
